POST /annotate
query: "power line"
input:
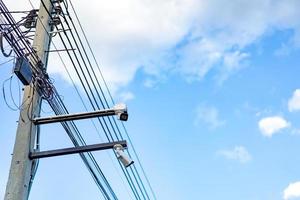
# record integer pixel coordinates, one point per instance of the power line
(87, 83)
(77, 46)
(99, 86)
(98, 67)
(82, 101)
(57, 105)
(90, 83)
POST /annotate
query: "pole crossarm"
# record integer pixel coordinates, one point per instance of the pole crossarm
(73, 150)
(78, 116)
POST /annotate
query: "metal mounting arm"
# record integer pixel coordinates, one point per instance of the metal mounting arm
(73, 150)
(120, 110)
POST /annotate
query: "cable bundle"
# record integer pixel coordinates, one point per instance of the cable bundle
(86, 71)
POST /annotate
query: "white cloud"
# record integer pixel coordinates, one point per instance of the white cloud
(238, 153)
(295, 131)
(294, 101)
(232, 62)
(271, 125)
(208, 115)
(292, 191)
(284, 50)
(189, 37)
(126, 96)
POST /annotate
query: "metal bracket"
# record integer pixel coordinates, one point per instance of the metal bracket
(30, 19)
(73, 150)
(61, 50)
(119, 110)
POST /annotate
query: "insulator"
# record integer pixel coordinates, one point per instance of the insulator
(31, 18)
(55, 21)
(57, 10)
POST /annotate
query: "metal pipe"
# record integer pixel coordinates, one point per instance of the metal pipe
(76, 116)
(73, 150)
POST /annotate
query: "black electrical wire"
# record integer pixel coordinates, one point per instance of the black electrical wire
(15, 38)
(91, 101)
(82, 82)
(84, 75)
(82, 71)
(130, 180)
(89, 154)
(11, 93)
(57, 105)
(75, 141)
(144, 173)
(82, 30)
(4, 95)
(90, 67)
(106, 102)
(16, 107)
(75, 136)
(105, 99)
(81, 99)
(88, 85)
(1, 46)
(8, 61)
(10, 37)
(59, 110)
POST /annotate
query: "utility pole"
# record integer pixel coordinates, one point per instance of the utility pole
(18, 185)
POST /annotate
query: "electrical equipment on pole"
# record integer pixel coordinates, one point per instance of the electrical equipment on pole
(51, 19)
(22, 168)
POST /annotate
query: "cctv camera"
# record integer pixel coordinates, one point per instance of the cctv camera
(123, 116)
(121, 111)
(125, 160)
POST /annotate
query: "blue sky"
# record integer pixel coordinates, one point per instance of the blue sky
(213, 94)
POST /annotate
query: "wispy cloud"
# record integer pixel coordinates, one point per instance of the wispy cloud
(295, 131)
(294, 101)
(126, 96)
(292, 191)
(232, 62)
(238, 153)
(208, 115)
(271, 125)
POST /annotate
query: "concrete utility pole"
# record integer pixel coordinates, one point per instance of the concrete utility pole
(20, 174)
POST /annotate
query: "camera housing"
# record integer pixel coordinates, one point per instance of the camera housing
(121, 111)
(122, 116)
(125, 160)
